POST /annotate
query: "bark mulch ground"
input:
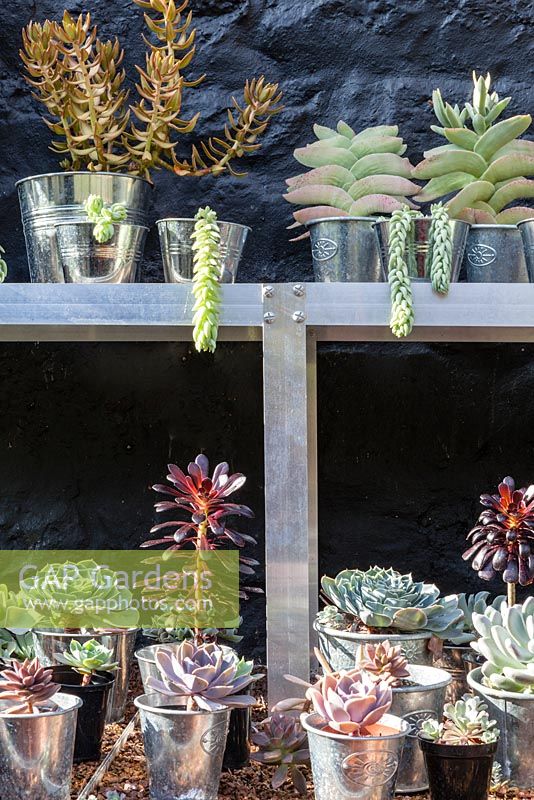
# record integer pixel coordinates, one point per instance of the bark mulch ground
(127, 774)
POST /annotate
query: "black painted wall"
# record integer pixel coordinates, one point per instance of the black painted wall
(409, 434)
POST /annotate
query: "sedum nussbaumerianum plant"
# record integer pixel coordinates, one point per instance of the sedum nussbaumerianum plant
(384, 599)
(207, 266)
(79, 80)
(484, 167)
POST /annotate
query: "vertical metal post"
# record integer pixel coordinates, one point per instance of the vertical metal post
(287, 545)
(313, 489)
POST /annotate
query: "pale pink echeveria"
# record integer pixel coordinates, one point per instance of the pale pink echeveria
(350, 701)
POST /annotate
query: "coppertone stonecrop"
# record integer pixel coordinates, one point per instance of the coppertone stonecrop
(283, 743)
(350, 702)
(385, 599)
(26, 687)
(465, 722)
(503, 539)
(206, 676)
(205, 500)
(384, 662)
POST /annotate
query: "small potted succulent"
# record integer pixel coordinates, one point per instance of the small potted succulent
(15, 647)
(354, 177)
(282, 742)
(37, 726)
(205, 498)
(482, 170)
(453, 653)
(369, 606)
(185, 720)
(459, 751)
(88, 674)
(355, 745)
(108, 616)
(110, 146)
(506, 682)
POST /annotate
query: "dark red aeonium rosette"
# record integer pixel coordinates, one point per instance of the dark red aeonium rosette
(205, 499)
(503, 539)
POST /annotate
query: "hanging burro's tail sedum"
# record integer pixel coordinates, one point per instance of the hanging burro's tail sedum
(3, 265)
(206, 274)
(402, 313)
(440, 249)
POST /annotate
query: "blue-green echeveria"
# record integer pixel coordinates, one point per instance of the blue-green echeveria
(383, 598)
(469, 604)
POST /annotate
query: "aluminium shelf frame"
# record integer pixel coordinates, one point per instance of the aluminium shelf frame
(289, 319)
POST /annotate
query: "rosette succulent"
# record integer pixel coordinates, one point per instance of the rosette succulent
(503, 539)
(384, 662)
(88, 658)
(465, 722)
(385, 599)
(15, 646)
(469, 604)
(80, 593)
(208, 677)
(350, 702)
(484, 167)
(283, 743)
(353, 174)
(26, 687)
(166, 630)
(507, 643)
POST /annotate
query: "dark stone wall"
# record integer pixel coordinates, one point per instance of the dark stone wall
(410, 434)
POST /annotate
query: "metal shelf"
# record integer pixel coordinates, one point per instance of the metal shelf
(290, 319)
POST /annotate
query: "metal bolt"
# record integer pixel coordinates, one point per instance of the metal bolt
(299, 316)
(268, 291)
(299, 290)
(269, 317)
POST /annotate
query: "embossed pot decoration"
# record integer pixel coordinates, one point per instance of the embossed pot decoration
(84, 260)
(59, 197)
(526, 229)
(415, 704)
(345, 249)
(495, 254)
(51, 641)
(184, 749)
(36, 752)
(418, 247)
(341, 647)
(514, 713)
(351, 767)
(175, 243)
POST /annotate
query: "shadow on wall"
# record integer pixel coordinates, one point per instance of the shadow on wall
(409, 436)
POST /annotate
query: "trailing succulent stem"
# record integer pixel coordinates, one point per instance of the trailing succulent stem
(77, 77)
(3, 265)
(206, 279)
(103, 216)
(440, 249)
(402, 313)
(483, 168)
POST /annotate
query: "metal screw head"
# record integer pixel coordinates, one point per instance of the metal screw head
(269, 317)
(299, 316)
(268, 291)
(299, 290)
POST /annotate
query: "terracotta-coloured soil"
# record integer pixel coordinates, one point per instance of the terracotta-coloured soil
(127, 773)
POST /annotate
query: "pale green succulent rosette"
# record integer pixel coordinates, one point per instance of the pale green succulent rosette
(88, 658)
(383, 598)
(13, 611)
(469, 604)
(507, 643)
(104, 217)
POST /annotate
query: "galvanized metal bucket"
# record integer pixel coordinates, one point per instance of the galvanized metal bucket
(514, 714)
(341, 647)
(418, 247)
(351, 768)
(345, 249)
(49, 642)
(415, 704)
(526, 229)
(84, 260)
(452, 661)
(175, 243)
(495, 254)
(47, 200)
(184, 749)
(36, 752)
